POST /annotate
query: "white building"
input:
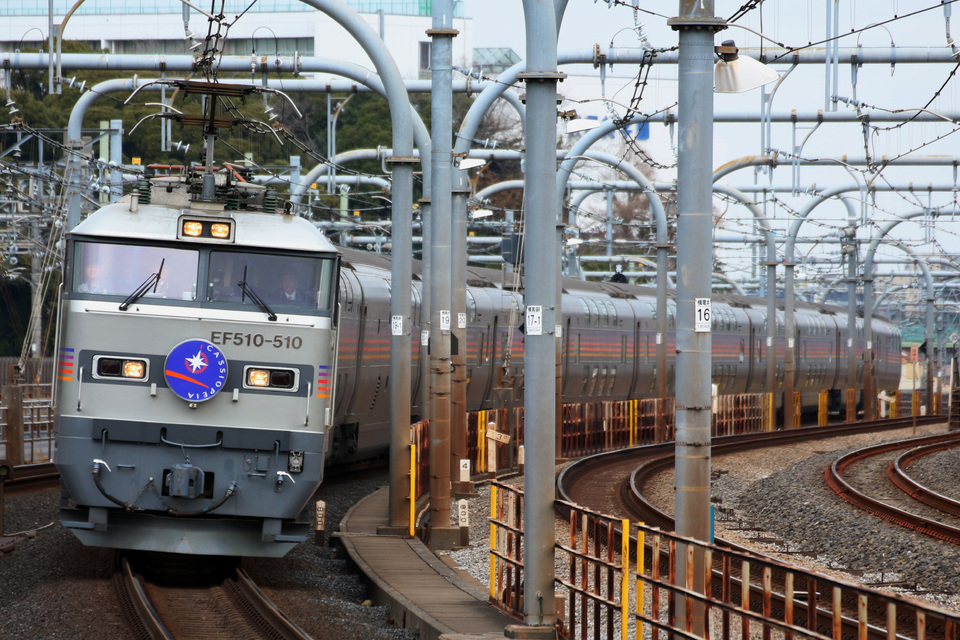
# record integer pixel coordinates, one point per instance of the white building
(269, 27)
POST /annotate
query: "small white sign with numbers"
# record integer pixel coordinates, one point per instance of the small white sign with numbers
(396, 325)
(701, 318)
(445, 320)
(461, 321)
(535, 320)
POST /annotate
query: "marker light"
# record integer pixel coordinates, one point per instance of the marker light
(220, 230)
(258, 378)
(273, 379)
(192, 228)
(110, 367)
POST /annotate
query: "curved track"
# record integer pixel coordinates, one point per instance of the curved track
(877, 506)
(586, 479)
(229, 608)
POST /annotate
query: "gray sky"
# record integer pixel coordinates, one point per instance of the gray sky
(500, 23)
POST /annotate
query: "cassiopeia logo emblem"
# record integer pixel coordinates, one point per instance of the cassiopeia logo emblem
(195, 370)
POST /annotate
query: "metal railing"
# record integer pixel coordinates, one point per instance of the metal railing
(26, 424)
(611, 586)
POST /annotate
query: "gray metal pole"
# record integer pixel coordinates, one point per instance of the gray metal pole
(442, 535)
(541, 277)
(116, 160)
(696, 25)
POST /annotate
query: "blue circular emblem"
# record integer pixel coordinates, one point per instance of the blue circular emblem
(195, 370)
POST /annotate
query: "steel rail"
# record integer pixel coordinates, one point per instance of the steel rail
(898, 475)
(834, 477)
(250, 607)
(32, 476)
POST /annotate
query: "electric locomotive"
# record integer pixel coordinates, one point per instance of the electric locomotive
(197, 344)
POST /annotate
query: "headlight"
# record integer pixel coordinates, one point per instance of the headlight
(206, 229)
(192, 228)
(220, 230)
(134, 368)
(258, 377)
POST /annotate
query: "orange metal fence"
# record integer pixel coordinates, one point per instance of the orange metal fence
(651, 584)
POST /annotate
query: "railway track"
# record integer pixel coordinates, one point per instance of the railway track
(596, 475)
(29, 477)
(896, 472)
(225, 606)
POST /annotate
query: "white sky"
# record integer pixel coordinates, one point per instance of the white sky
(500, 23)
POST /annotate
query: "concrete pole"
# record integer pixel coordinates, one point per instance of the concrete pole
(541, 269)
(36, 290)
(458, 405)
(696, 25)
(442, 535)
(929, 339)
(852, 315)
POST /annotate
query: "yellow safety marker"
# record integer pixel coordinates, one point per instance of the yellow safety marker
(625, 577)
(641, 550)
(413, 488)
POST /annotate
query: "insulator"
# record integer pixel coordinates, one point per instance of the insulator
(143, 189)
(270, 201)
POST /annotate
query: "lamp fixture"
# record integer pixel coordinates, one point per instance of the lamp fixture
(471, 163)
(581, 124)
(735, 74)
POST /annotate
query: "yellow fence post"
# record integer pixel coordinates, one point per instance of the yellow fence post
(641, 550)
(771, 413)
(481, 442)
(413, 485)
(493, 542)
(624, 578)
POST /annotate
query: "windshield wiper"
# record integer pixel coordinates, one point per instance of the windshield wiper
(247, 290)
(151, 281)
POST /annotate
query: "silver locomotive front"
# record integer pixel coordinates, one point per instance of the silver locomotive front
(196, 357)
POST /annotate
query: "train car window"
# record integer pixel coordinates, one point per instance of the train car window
(118, 269)
(586, 312)
(471, 307)
(613, 312)
(742, 349)
(285, 282)
(414, 306)
(611, 380)
(594, 312)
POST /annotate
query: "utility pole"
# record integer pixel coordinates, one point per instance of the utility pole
(541, 276)
(442, 534)
(696, 25)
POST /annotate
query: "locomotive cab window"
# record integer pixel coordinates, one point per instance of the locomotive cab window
(120, 269)
(288, 283)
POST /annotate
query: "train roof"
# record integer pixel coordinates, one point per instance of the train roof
(157, 223)
(359, 260)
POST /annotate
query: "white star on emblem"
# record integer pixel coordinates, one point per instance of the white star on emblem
(196, 363)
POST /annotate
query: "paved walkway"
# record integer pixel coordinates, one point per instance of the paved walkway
(419, 588)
